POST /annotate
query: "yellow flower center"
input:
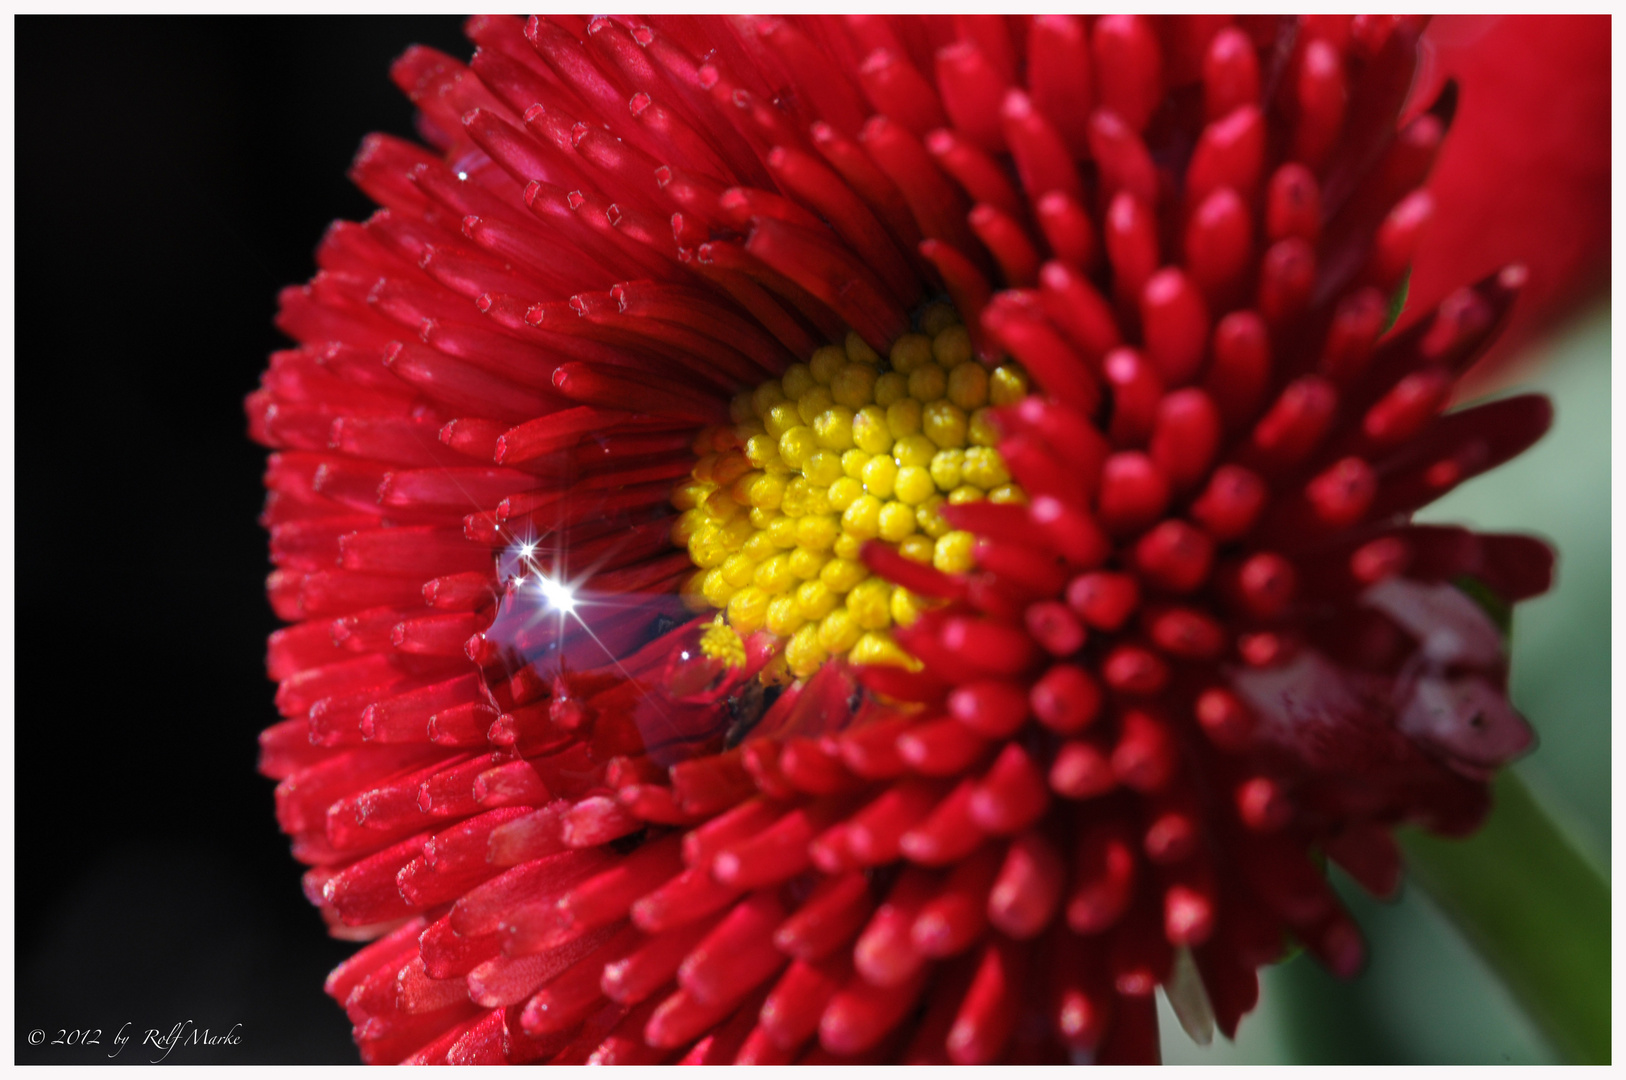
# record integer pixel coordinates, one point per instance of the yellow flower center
(843, 449)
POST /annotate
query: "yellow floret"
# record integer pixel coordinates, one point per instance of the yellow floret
(946, 468)
(721, 505)
(938, 317)
(985, 468)
(897, 521)
(880, 473)
(905, 607)
(843, 492)
(968, 386)
(854, 385)
(954, 552)
(952, 346)
(690, 495)
(817, 532)
(759, 547)
(891, 387)
(783, 531)
(823, 468)
(826, 362)
(903, 418)
(914, 450)
(686, 525)
(909, 352)
(870, 431)
(692, 594)
(870, 603)
(796, 445)
(929, 516)
(928, 383)
(721, 642)
(839, 575)
(863, 517)
(781, 417)
(877, 647)
(834, 427)
(813, 403)
(944, 423)
(806, 563)
(966, 493)
(783, 617)
(766, 397)
(762, 449)
(1008, 385)
(848, 546)
(748, 609)
(773, 575)
(982, 431)
(913, 486)
(796, 381)
(738, 569)
(858, 350)
(717, 590)
(814, 599)
(803, 652)
(1008, 495)
(736, 531)
(707, 547)
(918, 548)
(766, 491)
(838, 632)
(853, 462)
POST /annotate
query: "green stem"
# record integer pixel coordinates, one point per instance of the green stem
(1537, 911)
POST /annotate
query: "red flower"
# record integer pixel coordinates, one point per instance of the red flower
(983, 745)
(1533, 114)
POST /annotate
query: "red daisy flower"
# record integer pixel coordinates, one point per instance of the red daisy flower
(864, 538)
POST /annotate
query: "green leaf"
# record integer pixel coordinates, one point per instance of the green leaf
(1537, 911)
(1397, 302)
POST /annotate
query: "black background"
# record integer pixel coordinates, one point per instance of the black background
(171, 176)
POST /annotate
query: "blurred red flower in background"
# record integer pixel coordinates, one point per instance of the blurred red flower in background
(1135, 508)
(1525, 176)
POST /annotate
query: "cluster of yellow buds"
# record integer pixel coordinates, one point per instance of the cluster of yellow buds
(846, 448)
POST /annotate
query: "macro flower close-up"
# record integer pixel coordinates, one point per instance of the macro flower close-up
(875, 539)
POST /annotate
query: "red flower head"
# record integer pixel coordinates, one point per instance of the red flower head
(1047, 634)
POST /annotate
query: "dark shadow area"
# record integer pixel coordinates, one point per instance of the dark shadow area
(172, 176)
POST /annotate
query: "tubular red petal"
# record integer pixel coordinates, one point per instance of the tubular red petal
(1230, 73)
(970, 89)
(737, 955)
(1128, 67)
(1322, 98)
(1008, 241)
(953, 919)
(897, 90)
(1068, 230)
(861, 1014)
(1125, 164)
(1027, 891)
(790, 1015)
(1131, 240)
(1134, 493)
(1042, 158)
(1059, 76)
(1011, 796)
(1103, 879)
(1176, 325)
